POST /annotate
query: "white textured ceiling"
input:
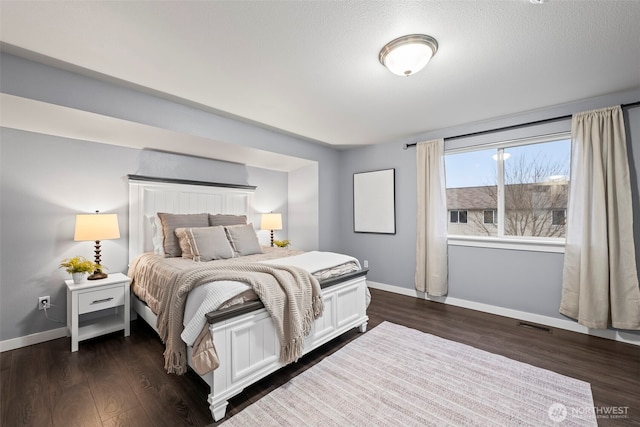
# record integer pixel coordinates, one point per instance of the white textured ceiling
(311, 68)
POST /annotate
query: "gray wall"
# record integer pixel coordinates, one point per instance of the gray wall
(519, 280)
(28, 79)
(46, 181)
(304, 208)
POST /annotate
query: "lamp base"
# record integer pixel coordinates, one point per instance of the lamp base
(97, 275)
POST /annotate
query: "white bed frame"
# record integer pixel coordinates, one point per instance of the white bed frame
(247, 344)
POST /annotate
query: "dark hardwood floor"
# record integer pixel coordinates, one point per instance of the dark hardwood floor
(117, 381)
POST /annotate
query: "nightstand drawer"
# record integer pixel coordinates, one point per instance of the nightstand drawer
(100, 299)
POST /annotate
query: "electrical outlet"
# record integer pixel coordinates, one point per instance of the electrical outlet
(366, 263)
(44, 302)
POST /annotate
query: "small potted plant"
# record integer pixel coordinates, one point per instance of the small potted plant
(281, 243)
(78, 267)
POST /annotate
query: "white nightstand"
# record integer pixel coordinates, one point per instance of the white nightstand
(85, 299)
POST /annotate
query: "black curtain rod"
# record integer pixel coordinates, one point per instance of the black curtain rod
(521, 125)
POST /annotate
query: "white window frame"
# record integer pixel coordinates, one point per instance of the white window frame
(527, 243)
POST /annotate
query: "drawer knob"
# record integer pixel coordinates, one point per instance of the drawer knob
(98, 301)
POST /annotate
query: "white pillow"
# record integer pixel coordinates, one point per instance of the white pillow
(156, 236)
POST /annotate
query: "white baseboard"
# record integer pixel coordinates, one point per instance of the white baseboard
(612, 334)
(36, 338)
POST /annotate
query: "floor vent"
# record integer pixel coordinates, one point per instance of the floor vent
(535, 327)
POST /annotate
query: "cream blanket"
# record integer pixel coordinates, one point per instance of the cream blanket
(291, 295)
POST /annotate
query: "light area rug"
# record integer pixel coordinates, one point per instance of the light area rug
(397, 376)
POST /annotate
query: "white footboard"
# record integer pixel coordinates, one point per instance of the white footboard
(249, 349)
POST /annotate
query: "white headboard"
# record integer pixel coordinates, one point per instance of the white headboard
(148, 196)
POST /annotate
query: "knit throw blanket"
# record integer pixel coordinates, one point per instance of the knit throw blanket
(291, 295)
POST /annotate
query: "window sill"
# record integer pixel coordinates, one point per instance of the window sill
(519, 244)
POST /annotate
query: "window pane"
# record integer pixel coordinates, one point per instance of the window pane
(471, 189)
(533, 190)
(559, 217)
(536, 179)
(489, 217)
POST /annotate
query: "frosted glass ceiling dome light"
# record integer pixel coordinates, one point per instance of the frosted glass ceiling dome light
(407, 55)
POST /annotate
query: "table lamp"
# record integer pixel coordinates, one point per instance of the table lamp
(271, 221)
(97, 227)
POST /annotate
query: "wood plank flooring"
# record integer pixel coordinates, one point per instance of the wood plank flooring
(117, 381)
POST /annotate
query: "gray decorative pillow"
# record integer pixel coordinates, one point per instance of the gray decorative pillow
(221, 219)
(204, 243)
(172, 221)
(243, 239)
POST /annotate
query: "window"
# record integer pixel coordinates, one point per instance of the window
(514, 189)
(559, 217)
(489, 217)
(458, 217)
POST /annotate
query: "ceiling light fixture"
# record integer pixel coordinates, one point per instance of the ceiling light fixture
(409, 54)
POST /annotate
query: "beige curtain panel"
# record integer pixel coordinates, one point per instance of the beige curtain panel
(600, 277)
(431, 250)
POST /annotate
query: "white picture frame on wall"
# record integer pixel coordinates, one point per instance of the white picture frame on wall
(374, 202)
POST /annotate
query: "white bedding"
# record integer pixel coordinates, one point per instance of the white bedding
(314, 261)
(211, 296)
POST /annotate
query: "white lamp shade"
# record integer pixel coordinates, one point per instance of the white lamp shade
(96, 227)
(271, 221)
